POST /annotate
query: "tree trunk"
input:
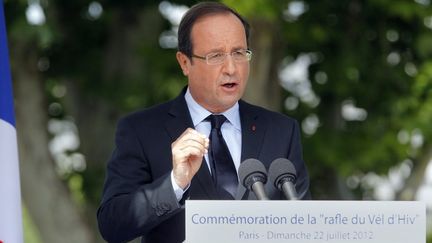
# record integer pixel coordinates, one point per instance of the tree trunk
(264, 87)
(96, 117)
(48, 200)
(417, 176)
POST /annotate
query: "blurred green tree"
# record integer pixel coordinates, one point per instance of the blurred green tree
(356, 74)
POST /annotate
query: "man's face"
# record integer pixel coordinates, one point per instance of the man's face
(216, 87)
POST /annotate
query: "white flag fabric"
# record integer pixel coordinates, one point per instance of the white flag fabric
(10, 191)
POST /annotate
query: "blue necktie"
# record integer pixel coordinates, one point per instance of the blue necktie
(223, 170)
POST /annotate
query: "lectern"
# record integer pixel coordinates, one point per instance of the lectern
(305, 221)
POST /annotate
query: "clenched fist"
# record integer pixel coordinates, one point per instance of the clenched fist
(188, 151)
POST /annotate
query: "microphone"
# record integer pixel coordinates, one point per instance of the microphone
(253, 176)
(284, 175)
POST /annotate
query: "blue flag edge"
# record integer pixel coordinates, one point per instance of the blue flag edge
(6, 97)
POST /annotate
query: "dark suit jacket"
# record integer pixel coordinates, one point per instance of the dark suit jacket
(138, 199)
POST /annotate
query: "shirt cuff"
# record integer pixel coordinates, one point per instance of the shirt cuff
(177, 189)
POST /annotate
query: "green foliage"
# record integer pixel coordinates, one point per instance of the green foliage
(356, 41)
(31, 234)
(258, 9)
(114, 57)
(76, 187)
(19, 30)
(375, 53)
(423, 46)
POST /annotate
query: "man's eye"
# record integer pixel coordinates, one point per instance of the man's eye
(216, 55)
(238, 53)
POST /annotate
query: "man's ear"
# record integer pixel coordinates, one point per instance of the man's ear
(184, 62)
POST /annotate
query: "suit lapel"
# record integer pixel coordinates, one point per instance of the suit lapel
(254, 128)
(253, 131)
(178, 122)
(179, 119)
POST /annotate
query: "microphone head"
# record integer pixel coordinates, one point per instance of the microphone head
(281, 170)
(251, 171)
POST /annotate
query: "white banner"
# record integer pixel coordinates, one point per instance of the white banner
(305, 221)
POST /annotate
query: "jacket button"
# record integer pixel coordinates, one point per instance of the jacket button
(162, 209)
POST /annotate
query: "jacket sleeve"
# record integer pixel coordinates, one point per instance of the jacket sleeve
(132, 201)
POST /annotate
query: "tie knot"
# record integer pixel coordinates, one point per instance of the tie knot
(216, 120)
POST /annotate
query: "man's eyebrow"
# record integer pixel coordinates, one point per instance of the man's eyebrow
(214, 50)
(222, 50)
(239, 48)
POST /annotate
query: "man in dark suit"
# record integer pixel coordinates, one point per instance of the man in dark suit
(162, 153)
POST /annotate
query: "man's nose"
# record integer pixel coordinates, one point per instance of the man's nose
(229, 66)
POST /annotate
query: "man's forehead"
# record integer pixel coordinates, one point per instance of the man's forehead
(217, 28)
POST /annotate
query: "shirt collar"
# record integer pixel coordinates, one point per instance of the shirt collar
(199, 113)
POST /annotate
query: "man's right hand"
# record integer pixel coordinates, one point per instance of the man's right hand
(188, 151)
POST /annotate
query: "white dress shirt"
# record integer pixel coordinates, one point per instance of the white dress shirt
(231, 131)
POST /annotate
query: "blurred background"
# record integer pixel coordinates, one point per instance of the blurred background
(356, 74)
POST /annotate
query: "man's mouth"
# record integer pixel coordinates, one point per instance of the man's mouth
(229, 85)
